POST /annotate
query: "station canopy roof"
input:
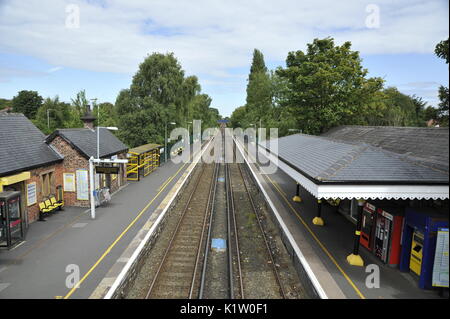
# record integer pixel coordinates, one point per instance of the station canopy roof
(332, 168)
(144, 148)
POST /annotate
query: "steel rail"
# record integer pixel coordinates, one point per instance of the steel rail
(272, 260)
(232, 218)
(166, 253)
(210, 210)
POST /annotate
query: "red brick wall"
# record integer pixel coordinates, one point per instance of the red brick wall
(56, 169)
(74, 161)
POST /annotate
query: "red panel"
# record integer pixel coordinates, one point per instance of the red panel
(394, 258)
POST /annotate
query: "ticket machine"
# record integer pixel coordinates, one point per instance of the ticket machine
(388, 231)
(11, 219)
(415, 263)
(368, 225)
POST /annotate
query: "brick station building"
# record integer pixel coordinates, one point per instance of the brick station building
(37, 166)
(27, 164)
(77, 146)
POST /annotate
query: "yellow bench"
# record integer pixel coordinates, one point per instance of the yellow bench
(48, 206)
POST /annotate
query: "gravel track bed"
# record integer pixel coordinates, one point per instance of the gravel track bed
(138, 289)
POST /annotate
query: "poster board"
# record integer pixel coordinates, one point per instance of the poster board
(31, 194)
(440, 266)
(69, 182)
(82, 184)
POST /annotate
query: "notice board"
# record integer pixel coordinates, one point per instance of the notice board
(440, 267)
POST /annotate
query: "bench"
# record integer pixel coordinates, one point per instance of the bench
(49, 205)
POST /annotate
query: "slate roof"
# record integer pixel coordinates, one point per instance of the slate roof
(22, 145)
(427, 145)
(325, 160)
(84, 140)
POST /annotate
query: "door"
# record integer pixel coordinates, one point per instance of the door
(15, 220)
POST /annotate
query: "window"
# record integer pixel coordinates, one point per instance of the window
(47, 184)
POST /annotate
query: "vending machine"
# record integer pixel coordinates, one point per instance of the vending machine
(11, 221)
(368, 226)
(388, 232)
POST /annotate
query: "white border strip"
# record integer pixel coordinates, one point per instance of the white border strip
(141, 246)
(294, 245)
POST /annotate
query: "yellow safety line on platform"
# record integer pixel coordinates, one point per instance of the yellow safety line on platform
(318, 241)
(120, 236)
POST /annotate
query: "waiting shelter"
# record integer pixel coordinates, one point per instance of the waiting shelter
(143, 160)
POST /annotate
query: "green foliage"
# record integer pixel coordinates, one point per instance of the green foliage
(325, 86)
(160, 94)
(442, 51)
(81, 103)
(27, 102)
(4, 103)
(54, 114)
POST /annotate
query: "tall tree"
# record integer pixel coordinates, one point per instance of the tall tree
(159, 94)
(442, 51)
(81, 103)
(327, 85)
(259, 88)
(27, 102)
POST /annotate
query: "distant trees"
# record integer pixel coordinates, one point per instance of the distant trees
(323, 87)
(4, 103)
(53, 114)
(27, 102)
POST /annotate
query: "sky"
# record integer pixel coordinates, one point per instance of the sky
(62, 47)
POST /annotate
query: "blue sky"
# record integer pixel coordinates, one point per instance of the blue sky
(44, 48)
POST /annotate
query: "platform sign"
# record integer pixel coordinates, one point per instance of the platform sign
(106, 170)
(82, 185)
(440, 267)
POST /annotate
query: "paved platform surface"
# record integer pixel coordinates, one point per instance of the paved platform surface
(38, 267)
(333, 242)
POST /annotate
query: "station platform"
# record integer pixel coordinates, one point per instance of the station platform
(40, 266)
(326, 247)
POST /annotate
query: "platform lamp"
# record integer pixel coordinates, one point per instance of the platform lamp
(48, 117)
(165, 141)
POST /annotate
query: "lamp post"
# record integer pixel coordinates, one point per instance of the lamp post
(48, 117)
(165, 141)
(91, 168)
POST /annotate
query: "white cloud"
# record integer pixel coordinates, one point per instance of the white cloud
(56, 68)
(210, 36)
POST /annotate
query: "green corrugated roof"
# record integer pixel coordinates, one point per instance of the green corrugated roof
(144, 148)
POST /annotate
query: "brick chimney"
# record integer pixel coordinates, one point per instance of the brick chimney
(88, 120)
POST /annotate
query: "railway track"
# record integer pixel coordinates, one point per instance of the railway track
(188, 261)
(176, 276)
(240, 200)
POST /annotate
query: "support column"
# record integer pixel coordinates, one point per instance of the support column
(318, 221)
(297, 197)
(355, 259)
